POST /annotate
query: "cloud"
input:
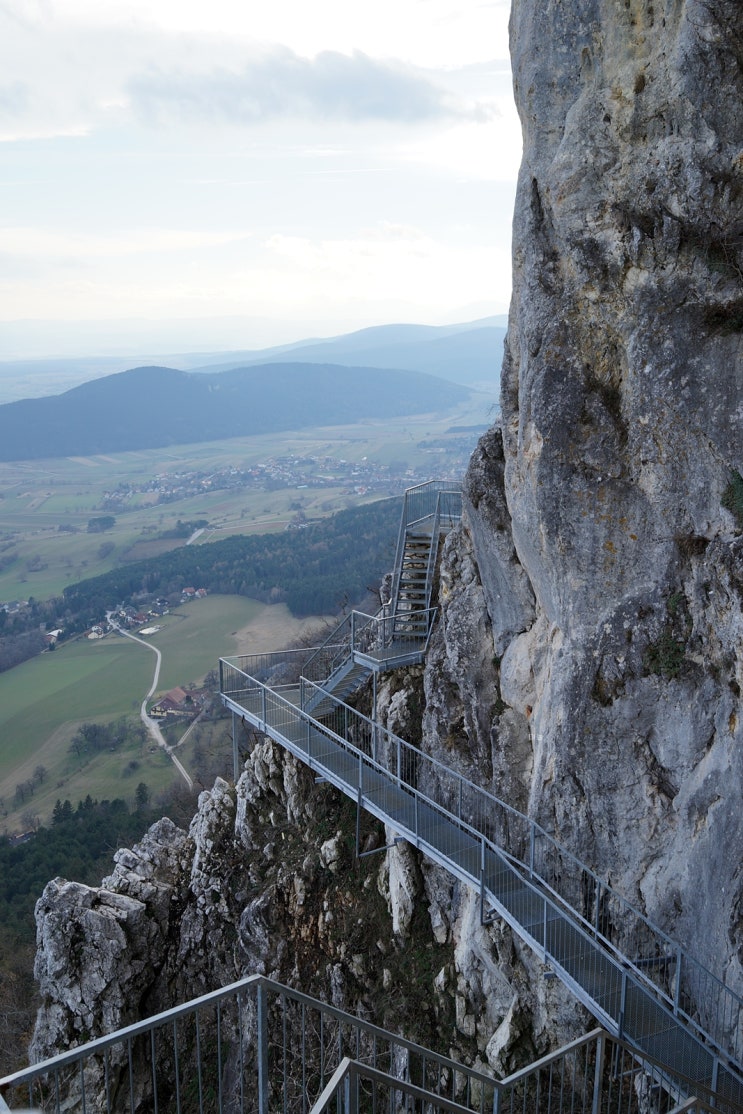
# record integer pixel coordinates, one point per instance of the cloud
(50, 244)
(14, 99)
(281, 83)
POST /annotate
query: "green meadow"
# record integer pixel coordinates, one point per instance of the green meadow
(43, 702)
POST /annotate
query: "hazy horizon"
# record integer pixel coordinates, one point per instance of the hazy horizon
(36, 376)
(38, 339)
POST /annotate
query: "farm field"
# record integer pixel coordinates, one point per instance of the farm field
(43, 701)
(46, 506)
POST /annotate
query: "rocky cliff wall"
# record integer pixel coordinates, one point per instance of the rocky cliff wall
(598, 535)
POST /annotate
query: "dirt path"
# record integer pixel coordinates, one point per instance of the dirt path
(152, 726)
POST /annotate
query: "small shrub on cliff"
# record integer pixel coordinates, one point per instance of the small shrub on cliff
(732, 498)
(666, 655)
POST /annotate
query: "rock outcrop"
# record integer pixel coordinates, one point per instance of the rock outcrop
(266, 881)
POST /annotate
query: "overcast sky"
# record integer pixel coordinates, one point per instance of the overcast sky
(216, 173)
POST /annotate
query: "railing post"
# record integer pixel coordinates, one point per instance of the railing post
(358, 823)
(263, 706)
(262, 1050)
(677, 982)
(353, 631)
(532, 840)
(351, 1089)
(597, 921)
(459, 805)
(496, 1098)
(235, 771)
(598, 1073)
(622, 1006)
(416, 818)
(398, 759)
(544, 929)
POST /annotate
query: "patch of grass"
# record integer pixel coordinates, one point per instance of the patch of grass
(198, 634)
(666, 655)
(732, 498)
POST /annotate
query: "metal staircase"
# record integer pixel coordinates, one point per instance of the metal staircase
(429, 512)
(627, 972)
(398, 634)
(414, 587)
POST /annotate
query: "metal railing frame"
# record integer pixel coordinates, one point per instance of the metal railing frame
(267, 994)
(366, 639)
(325, 659)
(439, 499)
(357, 1051)
(524, 859)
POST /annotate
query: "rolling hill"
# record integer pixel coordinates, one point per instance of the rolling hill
(151, 407)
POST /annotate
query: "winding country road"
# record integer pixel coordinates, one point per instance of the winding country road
(152, 726)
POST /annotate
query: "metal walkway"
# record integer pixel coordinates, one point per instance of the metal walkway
(635, 981)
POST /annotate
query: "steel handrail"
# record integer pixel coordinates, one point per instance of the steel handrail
(349, 1068)
(239, 990)
(76, 1056)
(330, 650)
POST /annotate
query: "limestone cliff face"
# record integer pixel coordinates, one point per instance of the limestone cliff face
(594, 534)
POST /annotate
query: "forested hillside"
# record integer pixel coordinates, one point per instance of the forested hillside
(314, 569)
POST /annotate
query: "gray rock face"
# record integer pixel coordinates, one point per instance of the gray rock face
(102, 952)
(618, 722)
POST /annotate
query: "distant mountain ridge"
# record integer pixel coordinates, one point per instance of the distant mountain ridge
(470, 352)
(152, 407)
